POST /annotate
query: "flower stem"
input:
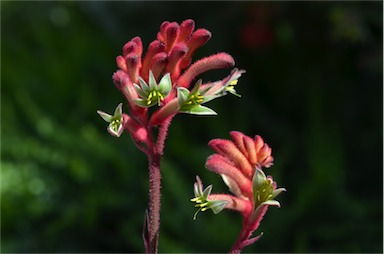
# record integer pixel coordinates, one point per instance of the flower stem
(154, 158)
(154, 202)
(250, 224)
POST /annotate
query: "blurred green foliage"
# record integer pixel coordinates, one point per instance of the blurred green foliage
(313, 90)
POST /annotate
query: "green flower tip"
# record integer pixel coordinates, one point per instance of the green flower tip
(264, 190)
(115, 121)
(201, 199)
(152, 93)
(190, 101)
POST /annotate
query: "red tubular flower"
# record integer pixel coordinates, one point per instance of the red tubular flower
(170, 53)
(240, 164)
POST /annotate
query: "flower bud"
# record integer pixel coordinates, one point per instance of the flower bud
(198, 39)
(166, 111)
(217, 61)
(120, 61)
(138, 133)
(186, 29)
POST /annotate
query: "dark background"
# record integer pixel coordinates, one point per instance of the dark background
(313, 90)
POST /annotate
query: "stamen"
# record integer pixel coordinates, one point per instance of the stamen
(233, 82)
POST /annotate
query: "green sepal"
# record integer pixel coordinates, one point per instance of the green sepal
(217, 205)
(144, 85)
(152, 82)
(105, 116)
(182, 95)
(207, 191)
(276, 192)
(258, 180)
(165, 85)
(197, 86)
(118, 110)
(271, 202)
(140, 91)
(197, 110)
(209, 98)
(144, 103)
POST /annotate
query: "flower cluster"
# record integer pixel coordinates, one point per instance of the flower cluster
(240, 162)
(162, 78)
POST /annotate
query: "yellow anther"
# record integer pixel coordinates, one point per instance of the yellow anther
(116, 121)
(233, 82)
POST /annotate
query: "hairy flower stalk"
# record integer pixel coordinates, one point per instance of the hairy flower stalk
(164, 79)
(240, 164)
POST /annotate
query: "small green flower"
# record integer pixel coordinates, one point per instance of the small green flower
(202, 202)
(153, 93)
(264, 190)
(190, 101)
(115, 126)
(220, 88)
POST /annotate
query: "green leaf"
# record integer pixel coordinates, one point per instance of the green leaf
(197, 110)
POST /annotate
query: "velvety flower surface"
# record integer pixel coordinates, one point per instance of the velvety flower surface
(240, 162)
(164, 76)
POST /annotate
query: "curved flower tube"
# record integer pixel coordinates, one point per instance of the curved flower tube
(240, 164)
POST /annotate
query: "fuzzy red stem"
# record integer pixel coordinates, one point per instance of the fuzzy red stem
(250, 225)
(154, 158)
(163, 130)
(154, 202)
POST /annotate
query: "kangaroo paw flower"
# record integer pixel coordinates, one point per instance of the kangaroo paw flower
(239, 161)
(202, 201)
(153, 93)
(115, 121)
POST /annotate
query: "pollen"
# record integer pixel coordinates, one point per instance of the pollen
(195, 99)
(233, 82)
(155, 96)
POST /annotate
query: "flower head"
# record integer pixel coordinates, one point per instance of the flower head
(168, 60)
(240, 164)
(153, 93)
